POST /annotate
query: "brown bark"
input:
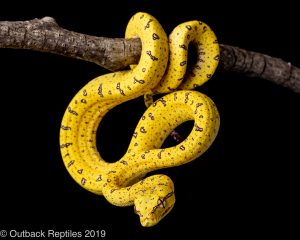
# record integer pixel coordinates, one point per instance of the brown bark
(46, 36)
(116, 53)
(255, 64)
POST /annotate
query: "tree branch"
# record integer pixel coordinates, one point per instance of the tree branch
(116, 53)
(259, 65)
(45, 35)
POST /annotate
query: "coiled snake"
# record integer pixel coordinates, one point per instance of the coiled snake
(153, 197)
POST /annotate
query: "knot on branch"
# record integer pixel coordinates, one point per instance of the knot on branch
(48, 23)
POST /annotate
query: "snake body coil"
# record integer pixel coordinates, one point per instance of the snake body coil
(152, 197)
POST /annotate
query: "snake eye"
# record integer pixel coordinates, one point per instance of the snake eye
(162, 203)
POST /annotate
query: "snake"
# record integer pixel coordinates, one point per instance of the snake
(162, 68)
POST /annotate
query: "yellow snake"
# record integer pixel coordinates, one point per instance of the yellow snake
(120, 182)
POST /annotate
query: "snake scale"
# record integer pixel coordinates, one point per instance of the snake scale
(162, 69)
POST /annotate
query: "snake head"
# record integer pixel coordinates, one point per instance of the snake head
(153, 205)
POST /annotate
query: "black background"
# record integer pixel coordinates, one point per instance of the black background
(244, 185)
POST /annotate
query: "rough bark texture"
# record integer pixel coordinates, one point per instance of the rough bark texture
(46, 36)
(116, 53)
(260, 65)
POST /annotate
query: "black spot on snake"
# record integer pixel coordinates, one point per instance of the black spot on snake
(66, 145)
(148, 24)
(65, 127)
(124, 162)
(198, 67)
(159, 154)
(72, 111)
(71, 163)
(183, 63)
(163, 101)
(153, 58)
(143, 130)
(197, 106)
(186, 97)
(183, 46)
(99, 178)
(83, 181)
(100, 90)
(198, 128)
(155, 36)
(120, 90)
(217, 57)
(138, 81)
(151, 116)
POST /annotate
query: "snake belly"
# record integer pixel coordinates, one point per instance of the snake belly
(153, 197)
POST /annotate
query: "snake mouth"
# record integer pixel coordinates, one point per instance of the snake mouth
(147, 222)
